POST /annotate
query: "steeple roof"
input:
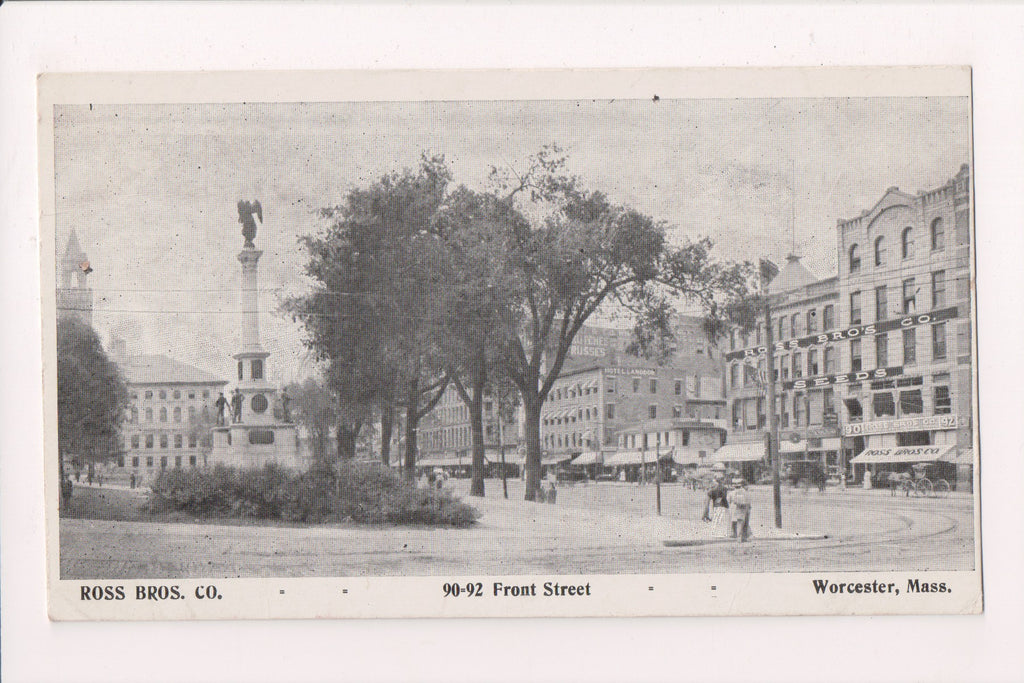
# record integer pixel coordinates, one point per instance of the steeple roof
(793, 275)
(73, 251)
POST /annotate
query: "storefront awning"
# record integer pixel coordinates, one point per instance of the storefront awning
(444, 461)
(827, 444)
(634, 457)
(589, 458)
(902, 455)
(691, 456)
(740, 452)
(963, 457)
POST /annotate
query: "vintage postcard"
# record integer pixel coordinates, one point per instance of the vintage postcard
(484, 343)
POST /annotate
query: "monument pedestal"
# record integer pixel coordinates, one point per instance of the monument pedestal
(257, 438)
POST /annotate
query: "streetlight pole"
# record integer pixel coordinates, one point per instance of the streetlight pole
(772, 436)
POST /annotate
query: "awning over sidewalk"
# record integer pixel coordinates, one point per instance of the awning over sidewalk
(874, 456)
(589, 458)
(634, 458)
(964, 457)
(740, 452)
(690, 456)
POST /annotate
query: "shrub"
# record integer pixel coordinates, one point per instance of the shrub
(362, 492)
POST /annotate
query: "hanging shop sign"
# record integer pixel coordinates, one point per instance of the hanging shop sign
(851, 332)
(906, 424)
(845, 378)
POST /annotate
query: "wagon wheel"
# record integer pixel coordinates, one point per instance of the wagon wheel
(925, 488)
(941, 488)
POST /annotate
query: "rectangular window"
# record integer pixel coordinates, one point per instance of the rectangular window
(939, 341)
(163, 394)
(610, 383)
(677, 412)
(938, 289)
(609, 411)
(191, 394)
(782, 327)
(828, 401)
(192, 440)
(881, 350)
(192, 460)
(177, 461)
(149, 440)
(911, 402)
(761, 417)
(149, 461)
(798, 367)
(149, 394)
(257, 368)
(163, 462)
(654, 386)
(828, 317)
(736, 408)
(206, 393)
(784, 366)
(636, 386)
(883, 404)
(855, 357)
(855, 316)
(177, 440)
(853, 408)
(909, 296)
(881, 305)
(652, 411)
(678, 389)
(135, 440)
(909, 346)
(829, 356)
(135, 461)
(812, 363)
(798, 405)
(812, 321)
(734, 375)
(163, 441)
(943, 402)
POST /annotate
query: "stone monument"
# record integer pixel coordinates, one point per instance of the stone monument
(253, 436)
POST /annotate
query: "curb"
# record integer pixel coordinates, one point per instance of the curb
(711, 541)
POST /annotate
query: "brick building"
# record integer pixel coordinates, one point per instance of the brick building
(905, 285)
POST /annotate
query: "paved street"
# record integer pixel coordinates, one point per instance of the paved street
(598, 528)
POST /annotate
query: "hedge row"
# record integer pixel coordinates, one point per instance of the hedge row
(361, 492)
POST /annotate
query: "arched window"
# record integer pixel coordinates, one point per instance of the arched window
(880, 251)
(938, 235)
(795, 324)
(163, 414)
(908, 242)
(177, 413)
(149, 414)
(854, 259)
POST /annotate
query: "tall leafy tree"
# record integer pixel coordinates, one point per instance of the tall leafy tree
(474, 228)
(315, 408)
(91, 395)
(374, 306)
(578, 253)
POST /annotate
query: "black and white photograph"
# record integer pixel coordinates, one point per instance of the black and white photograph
(512, 347)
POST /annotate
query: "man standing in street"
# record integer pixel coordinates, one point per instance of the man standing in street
(739, 509)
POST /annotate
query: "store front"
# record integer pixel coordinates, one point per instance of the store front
(746, 459)
(878, 463)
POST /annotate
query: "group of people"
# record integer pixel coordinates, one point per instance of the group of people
(736, 501)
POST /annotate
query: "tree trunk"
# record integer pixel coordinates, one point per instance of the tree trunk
(411, 422)
(387, 425)
(531, 410)
(476, 421)
(346, 442)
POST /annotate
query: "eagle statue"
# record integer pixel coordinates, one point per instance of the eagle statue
(245, 212)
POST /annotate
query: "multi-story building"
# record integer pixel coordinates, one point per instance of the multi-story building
(905, 316)
(802, 306)
(170, 412)
(445, 436)
(879, 356)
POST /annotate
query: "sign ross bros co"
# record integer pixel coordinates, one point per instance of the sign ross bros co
(850, 332)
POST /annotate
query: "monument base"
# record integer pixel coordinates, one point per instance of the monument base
(247, 445)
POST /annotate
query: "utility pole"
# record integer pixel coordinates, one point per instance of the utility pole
(501, 451)
(657, 469)
(772, 436)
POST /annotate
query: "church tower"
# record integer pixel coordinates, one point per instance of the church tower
(74, 297)
(255, 437)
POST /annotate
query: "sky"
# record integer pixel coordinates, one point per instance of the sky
(152, 190)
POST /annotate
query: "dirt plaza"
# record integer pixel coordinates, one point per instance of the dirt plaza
(606, 528)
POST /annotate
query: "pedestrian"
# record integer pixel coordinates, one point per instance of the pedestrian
(99, 479)
(716, 498)
(552, 493)
(541, 498)
(66, 488)
(88, 476)
(739, 509)
(132, 480)
(221, 403)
